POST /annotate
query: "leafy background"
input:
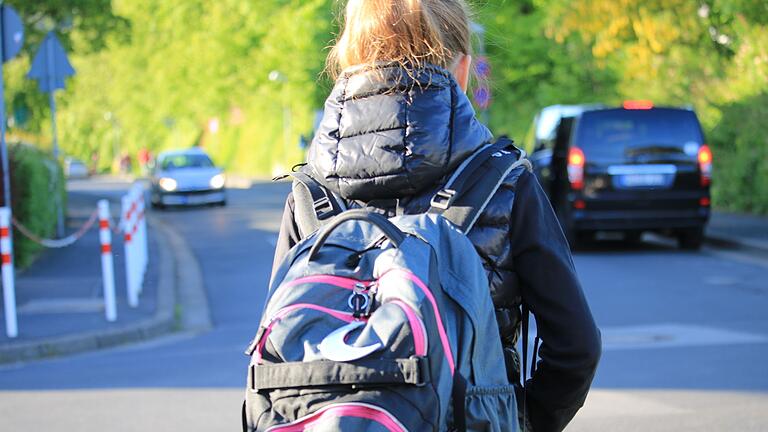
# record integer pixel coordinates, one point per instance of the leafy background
(164, 74)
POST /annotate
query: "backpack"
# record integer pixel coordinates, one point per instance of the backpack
(376, 324)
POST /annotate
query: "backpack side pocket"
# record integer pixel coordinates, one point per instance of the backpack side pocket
(492, 408)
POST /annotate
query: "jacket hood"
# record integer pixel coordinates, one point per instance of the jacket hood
(388, 132)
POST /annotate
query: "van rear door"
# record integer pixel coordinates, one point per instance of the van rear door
(640, 158)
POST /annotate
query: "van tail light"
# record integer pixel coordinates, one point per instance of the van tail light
(705, 165)
(638, 105)
(576, 168)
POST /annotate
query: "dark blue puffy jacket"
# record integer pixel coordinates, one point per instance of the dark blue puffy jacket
(388, 133)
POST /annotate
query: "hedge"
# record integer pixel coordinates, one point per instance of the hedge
(35, 178)
(740, 155)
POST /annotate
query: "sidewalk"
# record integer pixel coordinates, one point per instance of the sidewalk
(732, 230)
(60, 297)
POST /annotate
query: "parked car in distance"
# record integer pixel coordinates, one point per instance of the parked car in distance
(630, 169)
(186, 177)
(75, 168)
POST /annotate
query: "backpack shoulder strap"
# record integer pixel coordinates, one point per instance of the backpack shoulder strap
(314, 202)
(469, 190)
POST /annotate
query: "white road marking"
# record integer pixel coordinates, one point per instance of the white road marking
(673, 336)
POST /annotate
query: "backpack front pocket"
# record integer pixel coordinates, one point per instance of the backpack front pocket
(394, 325)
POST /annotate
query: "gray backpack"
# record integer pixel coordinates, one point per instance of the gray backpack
(376, 324)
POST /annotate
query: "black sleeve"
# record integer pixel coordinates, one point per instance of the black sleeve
(288, 236)
(571, 344)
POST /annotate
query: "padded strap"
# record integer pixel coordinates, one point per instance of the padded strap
(526, 315)
(413, 370)
(314, 203)
(323, 201)
(468, 192)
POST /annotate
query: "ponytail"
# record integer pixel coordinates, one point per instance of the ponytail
(409, 32)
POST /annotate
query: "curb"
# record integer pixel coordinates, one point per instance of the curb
(729, 242)
(190, 288)
(173, 287)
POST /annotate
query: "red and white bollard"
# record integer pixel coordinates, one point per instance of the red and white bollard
(143, 235)
(107, 263)
(139, 235)
(9, 289)
(128, 244)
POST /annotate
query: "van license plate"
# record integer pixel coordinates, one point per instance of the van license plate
(643, 180)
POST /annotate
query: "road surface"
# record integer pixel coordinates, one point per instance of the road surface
(685, 335)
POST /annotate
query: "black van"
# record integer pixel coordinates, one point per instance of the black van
(631, 169)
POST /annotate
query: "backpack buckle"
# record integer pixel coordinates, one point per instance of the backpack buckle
(443, 199)
(323, 207)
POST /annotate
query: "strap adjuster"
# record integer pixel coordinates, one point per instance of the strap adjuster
(323, 208)
(443, 199)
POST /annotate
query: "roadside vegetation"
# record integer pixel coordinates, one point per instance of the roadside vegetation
(181, 72)
(36, 178)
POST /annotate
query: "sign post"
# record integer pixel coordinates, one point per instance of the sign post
(49, 67)
(11, 40)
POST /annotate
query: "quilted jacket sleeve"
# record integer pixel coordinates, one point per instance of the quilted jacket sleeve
(571, 344)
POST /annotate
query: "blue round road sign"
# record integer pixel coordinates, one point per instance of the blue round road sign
(13, 32)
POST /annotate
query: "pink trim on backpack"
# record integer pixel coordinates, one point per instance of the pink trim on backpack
(417, 326)
(339, 281)
(344, 316)
(440, 327)
(359, 410)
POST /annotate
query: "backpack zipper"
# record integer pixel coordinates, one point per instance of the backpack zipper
(349, 409)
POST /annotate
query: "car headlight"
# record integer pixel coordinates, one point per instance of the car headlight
(217, 181)
(168, 184)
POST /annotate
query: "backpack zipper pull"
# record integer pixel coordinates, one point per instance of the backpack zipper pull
(359, 301)
(372, 289)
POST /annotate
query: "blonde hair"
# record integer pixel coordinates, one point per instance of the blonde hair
(409, 32)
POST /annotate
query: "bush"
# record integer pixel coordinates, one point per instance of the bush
(740, 150)
(35, 178)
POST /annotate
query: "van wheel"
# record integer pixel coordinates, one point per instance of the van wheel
(691, 239)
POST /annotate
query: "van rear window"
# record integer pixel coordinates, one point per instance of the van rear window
(615, 134)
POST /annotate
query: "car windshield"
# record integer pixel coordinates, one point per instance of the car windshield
(179, 161)
(617, 134)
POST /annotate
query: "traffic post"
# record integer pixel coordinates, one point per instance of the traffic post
(141, 235)
(11, 42)
(9, 289)
(128, 223)
(107, 262)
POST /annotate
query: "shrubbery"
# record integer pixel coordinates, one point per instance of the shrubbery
(740, 150)
(35, 179)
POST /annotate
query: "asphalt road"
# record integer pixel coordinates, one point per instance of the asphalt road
(685, 334)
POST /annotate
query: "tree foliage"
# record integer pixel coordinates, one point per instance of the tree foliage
(164, 74)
